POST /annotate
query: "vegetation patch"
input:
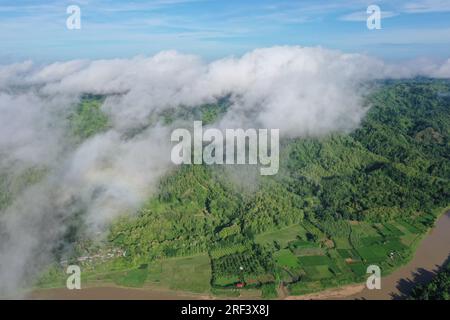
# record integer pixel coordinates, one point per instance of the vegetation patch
(286, 258)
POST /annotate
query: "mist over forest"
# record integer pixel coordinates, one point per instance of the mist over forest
(85, 143)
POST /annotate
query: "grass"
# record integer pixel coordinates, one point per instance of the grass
(302, 244)
(224, 281)
(220, 252)
(269, 291)
(282, 236)
(373, 253)
(132, 278)
(409, 227)
(304, 287)
(286, 258)
(370, 241)
(314, 260)
(186, 273)
(367, 229)
(309, 251)
(342, 243)
(395, 245)
(393, 229)
(358, 268)
(226, 293)
(348, 254)
(318, 272)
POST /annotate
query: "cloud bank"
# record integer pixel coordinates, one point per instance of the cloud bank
(301, 91)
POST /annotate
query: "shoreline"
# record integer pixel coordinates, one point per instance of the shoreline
(110, 291)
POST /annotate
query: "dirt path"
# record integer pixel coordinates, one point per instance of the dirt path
(114, 293)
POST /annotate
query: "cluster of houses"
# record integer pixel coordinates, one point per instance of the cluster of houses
(102, 256)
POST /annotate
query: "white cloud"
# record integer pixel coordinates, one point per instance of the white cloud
(426, 6)
(360, 16)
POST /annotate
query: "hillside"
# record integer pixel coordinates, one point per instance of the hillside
(339, 203)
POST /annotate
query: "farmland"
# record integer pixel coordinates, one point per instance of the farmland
(285, 257)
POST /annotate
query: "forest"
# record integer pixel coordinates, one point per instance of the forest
(339, 203)
(437, 289)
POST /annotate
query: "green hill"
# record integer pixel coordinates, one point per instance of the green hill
(338, 204)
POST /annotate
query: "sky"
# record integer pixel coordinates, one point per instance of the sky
(36, 30)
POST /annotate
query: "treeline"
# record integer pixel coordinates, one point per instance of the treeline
(436, 289)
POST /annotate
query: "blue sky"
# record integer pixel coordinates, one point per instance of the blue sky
(31, 29)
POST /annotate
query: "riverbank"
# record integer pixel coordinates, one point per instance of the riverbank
(111, 292)
(431, 252)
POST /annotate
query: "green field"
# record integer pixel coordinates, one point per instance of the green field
(282, 236)
(314, 260)
(132, 278)
(286, 258)
(187, 273)
(318, 272)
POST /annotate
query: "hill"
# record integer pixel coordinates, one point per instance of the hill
(339, 203)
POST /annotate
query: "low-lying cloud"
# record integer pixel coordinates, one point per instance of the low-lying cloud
(301, 91)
